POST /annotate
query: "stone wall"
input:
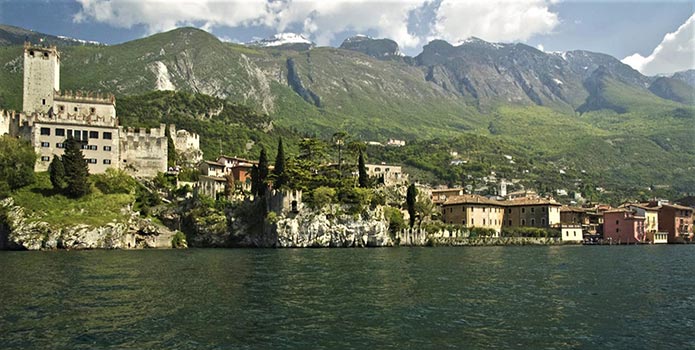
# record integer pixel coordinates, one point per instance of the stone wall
(41, 77)
(143, 153)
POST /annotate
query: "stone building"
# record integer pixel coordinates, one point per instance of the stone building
(532, 212)
(439, 196)
(187, 145)
(391, 174)
(472, 210)
(49, 116)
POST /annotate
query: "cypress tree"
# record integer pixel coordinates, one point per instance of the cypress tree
(279, 174)
(76, 169)
(56, 171)
(363, 178)
(410, 199)
(259, 175)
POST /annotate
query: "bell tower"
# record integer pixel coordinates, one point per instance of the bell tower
(41, 77)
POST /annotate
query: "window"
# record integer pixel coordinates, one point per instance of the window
(107, 161)
(617, 222)
(523, 210)
(543, 222)
(85, 135)
(45, 158)
(107, 136)
(533, 222)
(92, 110)
(69, 132)
(472, 221)
(77, 135)
(31, 53)
(509, 210)
(91, 160)
(46, 131)
(523, 222)
(533, 210)
(483, 222)
(510, 222)
(61, 108)
(45, 144)
(75, 109)
(60, 145)
(93, 147)
(543, 209)
(43, 101)
(93, 134)
(60, 132)
(45, 54)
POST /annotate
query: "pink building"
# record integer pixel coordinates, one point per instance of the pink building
(623, 226)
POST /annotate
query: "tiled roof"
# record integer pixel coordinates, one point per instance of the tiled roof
(472, 199)
(530, 201)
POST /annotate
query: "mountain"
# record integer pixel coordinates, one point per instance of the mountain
(383, 49)
(686, 76)
(673, 89)
(572, 110)
(11, 35)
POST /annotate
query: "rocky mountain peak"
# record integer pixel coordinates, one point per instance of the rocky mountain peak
(382, 49)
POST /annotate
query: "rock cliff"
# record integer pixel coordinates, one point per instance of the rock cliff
(21, 232)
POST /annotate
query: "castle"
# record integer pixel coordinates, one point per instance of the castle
(50, 115)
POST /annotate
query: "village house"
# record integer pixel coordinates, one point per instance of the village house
(439, 196)
(532, 212)
(586, 217)
(651, 222)
(390, 174)
(571, 233)
(623, 226)
(677, 220)
(240, 169)
(472, 210)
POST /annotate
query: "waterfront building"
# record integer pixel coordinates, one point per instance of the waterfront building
(623, 226)
(677, 220)
(472, 210)
(571, 232)
(532, 212)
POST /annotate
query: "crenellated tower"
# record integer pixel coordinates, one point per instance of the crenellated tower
(41, 77)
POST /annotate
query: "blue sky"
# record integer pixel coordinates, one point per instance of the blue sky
(621, 29)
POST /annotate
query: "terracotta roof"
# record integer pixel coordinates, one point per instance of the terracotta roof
(676, 206)
(567, 208)
(530, 201)
(214, 178)
(641, 206)
(209, 162)
(445, 190)
(471, 199)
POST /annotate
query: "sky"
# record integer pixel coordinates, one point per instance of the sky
(654, 37)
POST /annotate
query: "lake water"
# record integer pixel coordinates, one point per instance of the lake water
(636, 297)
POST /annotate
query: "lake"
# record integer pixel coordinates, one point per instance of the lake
(557, 297)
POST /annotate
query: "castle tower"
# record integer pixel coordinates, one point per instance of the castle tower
(41, 77)
(502, 191)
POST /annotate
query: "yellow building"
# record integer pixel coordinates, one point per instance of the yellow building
(532, 212)
(472, 210)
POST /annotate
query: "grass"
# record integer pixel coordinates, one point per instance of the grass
(96, 209)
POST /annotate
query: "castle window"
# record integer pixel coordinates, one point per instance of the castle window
(85, 135)
(60, 132)
(31, 53)
(472, 221)
(107, 136)
(45, 54)
(483, 222)
(510, 222)
(43, 101)
(509, 210)
(523, 222)
(77, 135)
(45, 144)
(69, 132)
(533, 210)
(91, 160)
(45, 158)
(92, 147)
(46, 131)
(75, 109)
(523, 210)
(60, 145)
(107, 161)
(107, 148)
(61, 108)
(93, 134)
(92, 110)
(533, 222)
(543, 222)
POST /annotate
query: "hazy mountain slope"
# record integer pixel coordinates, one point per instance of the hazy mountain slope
(11, 35)
(673, 89)
(686, 76)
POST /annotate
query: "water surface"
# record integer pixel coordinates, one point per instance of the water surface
(635, 297)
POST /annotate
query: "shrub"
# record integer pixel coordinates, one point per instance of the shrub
(179, 240)
(395, 219)
(114, 181)
(323, 196)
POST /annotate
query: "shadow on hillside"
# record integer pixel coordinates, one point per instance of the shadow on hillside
(46, 192)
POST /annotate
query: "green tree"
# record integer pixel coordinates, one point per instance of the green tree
(259, 175)
(363, 178)
(17, 159)
(171, 149)
(76, 170)
(410, 200)
(280, 177)
(56, 172)
(339, 140)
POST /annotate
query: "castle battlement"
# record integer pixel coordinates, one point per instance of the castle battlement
(48, 49)
(74, 119)
(142, 134)
(88, 97)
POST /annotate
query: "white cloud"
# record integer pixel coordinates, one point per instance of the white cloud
(493, 20)
(322, 20)
(540, 47)
(676, 52)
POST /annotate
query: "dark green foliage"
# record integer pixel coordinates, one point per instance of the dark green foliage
(171, 149)
(56, 171)
(535, 232)
(363, 178)
(76, 170)
(17, 159)
(395, 219)
(280, 178)
(179, 240)
(410, 200)
(259, 175)
(189, 174)
(114, 181)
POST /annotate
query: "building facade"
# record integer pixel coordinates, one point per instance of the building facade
(532, 212)
(472, 210)
(623, 226)
(677, 220)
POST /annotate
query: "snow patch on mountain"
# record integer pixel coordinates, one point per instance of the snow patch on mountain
(282, 39)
